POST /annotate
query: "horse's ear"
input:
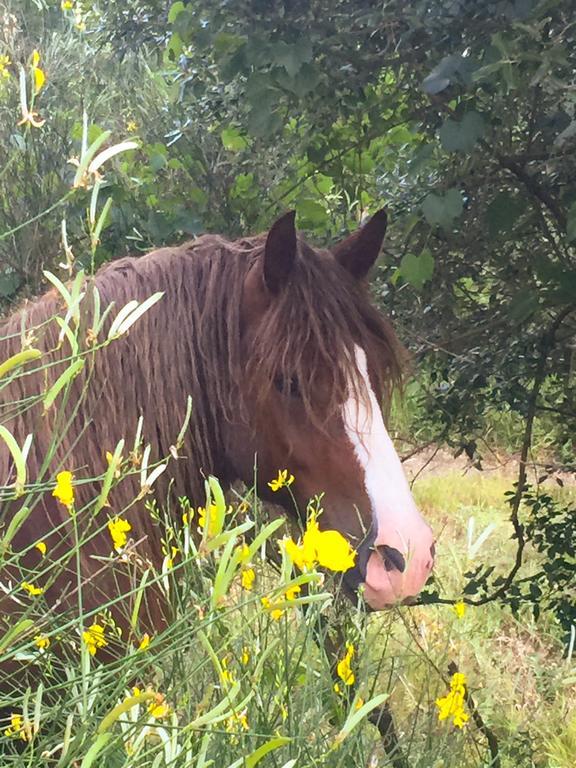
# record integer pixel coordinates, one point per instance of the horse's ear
(280, 252)
(358, 252)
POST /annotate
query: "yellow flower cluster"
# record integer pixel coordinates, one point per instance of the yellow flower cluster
(18, 728)
(248, 574)
(248, 578)
(328, 549)
(284, 480)
(64, 490)
(119, 529)
(226, 674)
(452, 705)
(42, 642)
(274, 609)
(459, 608)
(32, 589)
(145, 642)
(238, 721)
(213, 520)
(41, 547)
(94, 638)
(37, 72)
(157, 708)
(344, 668)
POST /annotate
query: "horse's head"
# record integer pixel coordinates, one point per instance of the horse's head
(319, 360)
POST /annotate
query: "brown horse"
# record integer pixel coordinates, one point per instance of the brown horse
(285, 359)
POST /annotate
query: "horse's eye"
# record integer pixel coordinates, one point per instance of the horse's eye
(287, 387)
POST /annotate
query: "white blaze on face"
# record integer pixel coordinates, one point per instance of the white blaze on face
(395, 515)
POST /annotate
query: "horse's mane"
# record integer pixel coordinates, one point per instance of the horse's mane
(190, 344)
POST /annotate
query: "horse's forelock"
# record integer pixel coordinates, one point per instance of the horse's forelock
(313, 327)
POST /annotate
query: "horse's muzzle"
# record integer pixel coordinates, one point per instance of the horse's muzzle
(389, 576)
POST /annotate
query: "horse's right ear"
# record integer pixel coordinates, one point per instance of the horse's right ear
(280, 252)
(359, 251)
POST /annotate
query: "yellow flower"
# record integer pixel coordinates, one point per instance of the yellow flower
(282, 481)
(131, 126)
(39, 76)
(4, 64)
(452, 705)
(32, 590)
(237, 719)
(64, 490)
(326, 548)
(158, 708)
(119, 528)
(144, 643)
(245, 658)
(225, 674)
(359, 703)
(169, 559)
(202, 519)
(248, 578)
(459, 608)
(41, 547)
(292, 592)
(334, 551)
(42, 642)
(273, 609)
(18, 728)
(66, 5)
(94, 638)
(244, 553)
(344, 668)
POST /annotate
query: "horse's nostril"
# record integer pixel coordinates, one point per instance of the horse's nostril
(433, 551)
(393, 559)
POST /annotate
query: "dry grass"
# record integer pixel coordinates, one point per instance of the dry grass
(520, 680)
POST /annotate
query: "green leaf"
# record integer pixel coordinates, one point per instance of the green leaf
(9, 284)
(253, 759)
(243, 186)
(304, 81)
(72, 371)
(262, 123)
(311, 211)
(225, 44)
(462, 136)
(443, 209)
(417, 270)
(523, 305)
(503, 212)
(451, 69)
(97, 746)
(174, 11)
(292, 56)
(157, 162)
(233, 140)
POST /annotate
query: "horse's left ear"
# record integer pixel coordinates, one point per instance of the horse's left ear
(280, 252)
(358, 252)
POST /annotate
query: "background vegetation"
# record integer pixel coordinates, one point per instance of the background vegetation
(460, 117)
